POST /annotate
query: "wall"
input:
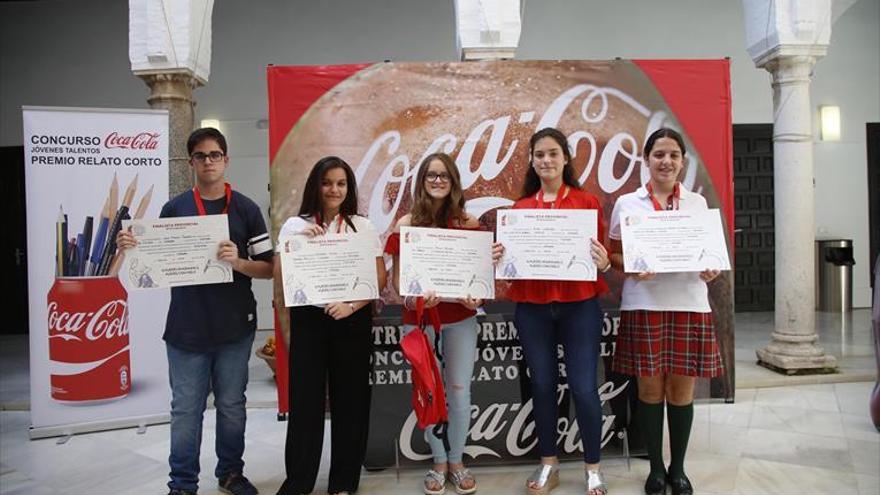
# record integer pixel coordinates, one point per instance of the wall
(60, 53)
(64, 53)
(849, 76)
(75, 54)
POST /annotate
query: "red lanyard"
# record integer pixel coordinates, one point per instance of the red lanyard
(201, 206)
(338, 222)
(671, 200)
(562, 193)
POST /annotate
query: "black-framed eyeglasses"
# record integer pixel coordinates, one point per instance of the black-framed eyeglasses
(434, 177)
(200, 157)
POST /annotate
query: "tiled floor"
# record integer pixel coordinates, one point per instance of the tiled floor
(783, 435)
(846, 336)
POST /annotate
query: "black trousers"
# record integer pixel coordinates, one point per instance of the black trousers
(326, 351)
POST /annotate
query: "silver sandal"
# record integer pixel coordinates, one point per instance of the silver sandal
(457, 476)
(440, 478)
(546, 478)
(595, 482)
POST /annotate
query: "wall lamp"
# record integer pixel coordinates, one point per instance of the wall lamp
(210, 123)
(829, 116)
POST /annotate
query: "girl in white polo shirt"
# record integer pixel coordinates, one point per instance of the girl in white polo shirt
(331, 346)
(666, 337)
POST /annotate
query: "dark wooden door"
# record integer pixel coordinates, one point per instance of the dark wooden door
(754, 278)
(873, 140)
(15, 300)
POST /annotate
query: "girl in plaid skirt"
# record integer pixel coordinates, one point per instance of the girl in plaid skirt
(666, 336)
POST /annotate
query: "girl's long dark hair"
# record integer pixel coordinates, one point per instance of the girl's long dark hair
(312, 205)
(453, 204)
(532, 183)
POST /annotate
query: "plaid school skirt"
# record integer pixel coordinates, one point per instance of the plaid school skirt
(667, 342)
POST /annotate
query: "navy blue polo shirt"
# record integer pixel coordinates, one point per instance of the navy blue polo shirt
(204, 317)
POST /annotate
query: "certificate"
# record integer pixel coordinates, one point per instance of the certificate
(328, 268)
(452, 263)
(173, 252)
(546, 244)
(673, 241)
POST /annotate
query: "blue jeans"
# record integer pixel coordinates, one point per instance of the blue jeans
(578, 327)
(458, 345)
(193, 376)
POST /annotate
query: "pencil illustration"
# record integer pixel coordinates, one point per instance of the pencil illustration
(116, 264)
(70, 262)
(119, 258)
(60, 242)
(93, 251)
(144, 204)
(128, 197)
(100, 238)
(114, 195)
(110, 244)
(85, 245)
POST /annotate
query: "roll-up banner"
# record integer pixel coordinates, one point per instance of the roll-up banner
(97, 359)
(384, 118)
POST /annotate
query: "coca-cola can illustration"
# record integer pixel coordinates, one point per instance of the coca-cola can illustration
(89, 354)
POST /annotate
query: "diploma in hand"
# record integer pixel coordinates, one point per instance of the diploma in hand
(673, 241)
(546, 244)
(328, 268)
(452, 263)
(179, 251)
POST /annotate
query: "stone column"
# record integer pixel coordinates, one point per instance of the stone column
(793, 348)
(173, 91)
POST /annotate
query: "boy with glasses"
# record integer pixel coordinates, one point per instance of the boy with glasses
(210, 329)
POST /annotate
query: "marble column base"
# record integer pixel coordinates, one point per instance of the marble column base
(796, 354)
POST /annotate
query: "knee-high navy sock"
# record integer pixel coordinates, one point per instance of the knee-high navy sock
(651, 421)
(681, 418)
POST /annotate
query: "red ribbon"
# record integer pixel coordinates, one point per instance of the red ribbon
(201, 206)
(671, 201)
(560, 195)
(319, 221)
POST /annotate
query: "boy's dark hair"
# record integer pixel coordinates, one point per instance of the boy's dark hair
(199, 135)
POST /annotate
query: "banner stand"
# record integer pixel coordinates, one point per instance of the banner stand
(97, 358)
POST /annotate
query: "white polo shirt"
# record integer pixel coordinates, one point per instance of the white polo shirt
(666, 291)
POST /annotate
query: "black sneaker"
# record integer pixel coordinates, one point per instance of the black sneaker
(177, 491)
(236, 484)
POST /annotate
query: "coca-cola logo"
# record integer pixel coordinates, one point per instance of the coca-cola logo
(519, 433)
(594, 111)
(109, 321)
(139, 141)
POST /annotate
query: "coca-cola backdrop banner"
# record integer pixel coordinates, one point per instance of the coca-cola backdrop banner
(384, 118)
(97, 359)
